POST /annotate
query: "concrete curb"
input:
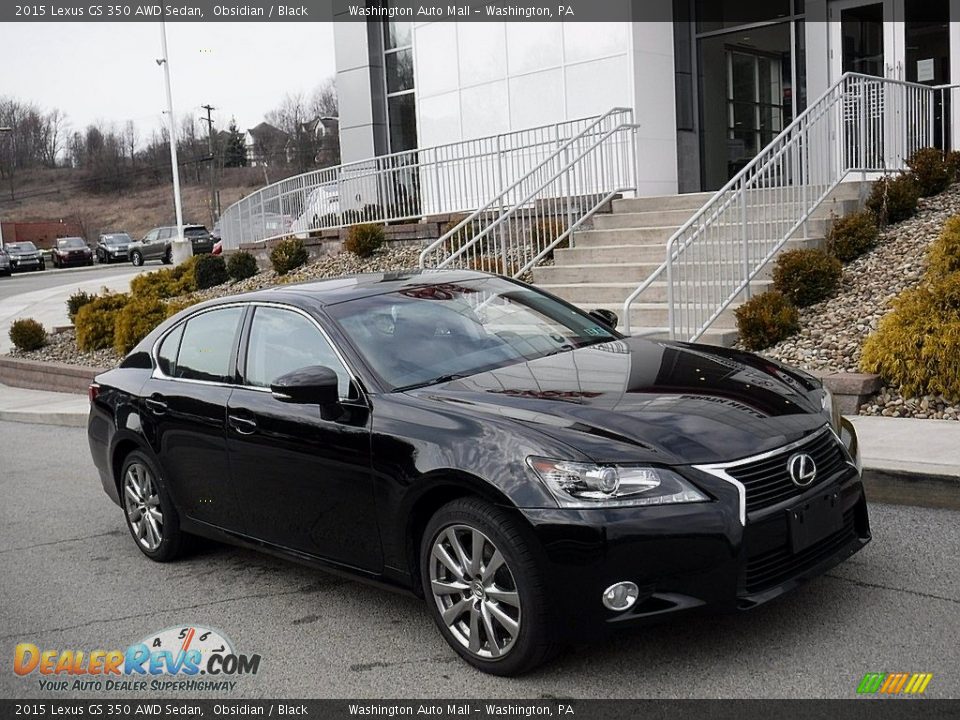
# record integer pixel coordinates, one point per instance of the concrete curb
(900, 487)
(63, 419)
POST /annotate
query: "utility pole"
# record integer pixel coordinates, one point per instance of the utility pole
(181, 249)
(214, 207)
(4, 131)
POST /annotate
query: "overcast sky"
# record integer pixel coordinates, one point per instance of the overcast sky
(107, 71)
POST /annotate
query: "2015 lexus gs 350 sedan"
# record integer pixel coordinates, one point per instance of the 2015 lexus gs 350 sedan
(532, 473)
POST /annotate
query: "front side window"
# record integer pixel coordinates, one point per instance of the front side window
(422, 335)
(282, 341)
(206, 346)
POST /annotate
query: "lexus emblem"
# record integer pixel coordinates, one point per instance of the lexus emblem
(802, 469)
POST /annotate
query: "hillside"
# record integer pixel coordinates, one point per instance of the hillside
(59, 194)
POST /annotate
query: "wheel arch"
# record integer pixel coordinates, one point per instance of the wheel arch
(438, 488)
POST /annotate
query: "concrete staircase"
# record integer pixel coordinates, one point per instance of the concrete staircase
(607, 262)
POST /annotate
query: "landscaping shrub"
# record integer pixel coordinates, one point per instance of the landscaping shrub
(806, 276)
(95, 321)
(288, 255)
(27, 334)
(77, 301)
(917, 345)
(209, 271)
(893, 199)
(134, 321)
(766, 319)
(952, 163)
(851, 236)
(364, 240)
(945, 251)
(241, 265)
(929, 171)
(166, 283)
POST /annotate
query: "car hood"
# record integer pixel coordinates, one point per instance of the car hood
(22, 253)
(642, 401)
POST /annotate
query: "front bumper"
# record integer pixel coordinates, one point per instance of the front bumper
(25, 264)
(697, 555)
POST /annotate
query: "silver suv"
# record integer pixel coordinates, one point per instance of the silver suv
(156, 244)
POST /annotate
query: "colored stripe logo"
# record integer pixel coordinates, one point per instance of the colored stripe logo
(894, 683)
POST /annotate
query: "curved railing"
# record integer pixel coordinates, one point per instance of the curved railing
(861, 124)
(452, 178)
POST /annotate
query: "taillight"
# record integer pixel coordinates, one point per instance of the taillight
(93, 391)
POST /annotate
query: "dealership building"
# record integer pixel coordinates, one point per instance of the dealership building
(708, 88)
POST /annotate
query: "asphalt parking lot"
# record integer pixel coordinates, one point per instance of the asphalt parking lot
(72, 579)
(23, 282)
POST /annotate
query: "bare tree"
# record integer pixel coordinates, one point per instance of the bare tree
(323, 100)
(131, 138)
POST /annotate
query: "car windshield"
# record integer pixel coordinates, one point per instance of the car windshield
(71, 243)
(22, 247)
(118, 239)
(433, 333)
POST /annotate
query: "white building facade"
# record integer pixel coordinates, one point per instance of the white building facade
(708, 88)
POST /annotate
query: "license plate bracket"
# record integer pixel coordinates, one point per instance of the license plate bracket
(815, 519)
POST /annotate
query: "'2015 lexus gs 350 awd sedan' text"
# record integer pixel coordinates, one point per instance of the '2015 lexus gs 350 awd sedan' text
(532, 473)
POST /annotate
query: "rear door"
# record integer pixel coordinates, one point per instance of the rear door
(185, 406)
(305, 481)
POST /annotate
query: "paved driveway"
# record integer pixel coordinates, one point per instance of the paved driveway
(73, 579)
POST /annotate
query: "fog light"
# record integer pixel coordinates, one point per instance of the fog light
(621, 596)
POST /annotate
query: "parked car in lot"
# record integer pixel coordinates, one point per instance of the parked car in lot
(4, 263)
(24, 256)
(112, 247)
(533, 474)
(157, 244)
(71, 251)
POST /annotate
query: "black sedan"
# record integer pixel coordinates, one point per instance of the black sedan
(532, 473)
(24, 256)
(112, 247)
(71, 251)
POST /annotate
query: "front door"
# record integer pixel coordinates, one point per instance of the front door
(867, 38)
(305, 479)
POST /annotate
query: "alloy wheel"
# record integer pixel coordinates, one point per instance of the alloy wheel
(475, 591)
(142, 504)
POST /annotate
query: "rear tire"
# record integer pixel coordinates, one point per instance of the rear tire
(167, 256)
(150, 516)
(493, 610)
(136, 258)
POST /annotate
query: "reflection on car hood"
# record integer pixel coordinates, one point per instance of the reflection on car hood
(638, 400)
(17, 252)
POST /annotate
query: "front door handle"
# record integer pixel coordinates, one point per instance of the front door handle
(156, 404)
(243, 425)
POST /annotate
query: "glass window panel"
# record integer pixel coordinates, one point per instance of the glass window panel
(282, 341)
(397, 34)
(861, 31)
(167, 354)
(744, 82)
(399, 71)
(713, 15)
(403, 122)
(208, 344)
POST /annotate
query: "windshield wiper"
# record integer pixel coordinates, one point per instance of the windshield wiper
(433, 381)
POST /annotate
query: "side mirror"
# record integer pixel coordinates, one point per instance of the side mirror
(314, 385)
(607, 317)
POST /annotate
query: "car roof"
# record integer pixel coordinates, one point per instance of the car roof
(71, 237)
(350, 287)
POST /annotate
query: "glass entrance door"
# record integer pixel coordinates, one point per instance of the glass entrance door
(866, 36)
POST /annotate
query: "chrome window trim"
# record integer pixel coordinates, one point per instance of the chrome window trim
(158, 374)
(719, 470)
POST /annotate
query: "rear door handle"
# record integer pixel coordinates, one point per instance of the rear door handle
(243, 425)
(157, 404)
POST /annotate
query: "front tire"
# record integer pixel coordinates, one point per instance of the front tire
(151, 518)
(485, 589)
(136, 258)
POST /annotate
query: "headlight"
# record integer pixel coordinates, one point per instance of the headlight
(585, 485)
(828, 405)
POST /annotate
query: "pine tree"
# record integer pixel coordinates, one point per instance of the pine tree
(235, 154)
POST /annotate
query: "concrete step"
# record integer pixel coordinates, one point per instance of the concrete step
(615, 293)
(721, 231)
(608, 254)
(686, 201)
(634, 272)
(721, 337)
(676, 218)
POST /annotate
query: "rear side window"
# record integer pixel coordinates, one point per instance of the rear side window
(167, 354)
(207, 346)
(282, 341)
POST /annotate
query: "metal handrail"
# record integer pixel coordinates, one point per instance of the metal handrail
(860, 118)
(442, 179)
(519, 227)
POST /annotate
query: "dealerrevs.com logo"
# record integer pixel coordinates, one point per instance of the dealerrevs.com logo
(187, 658)
(901, 683)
